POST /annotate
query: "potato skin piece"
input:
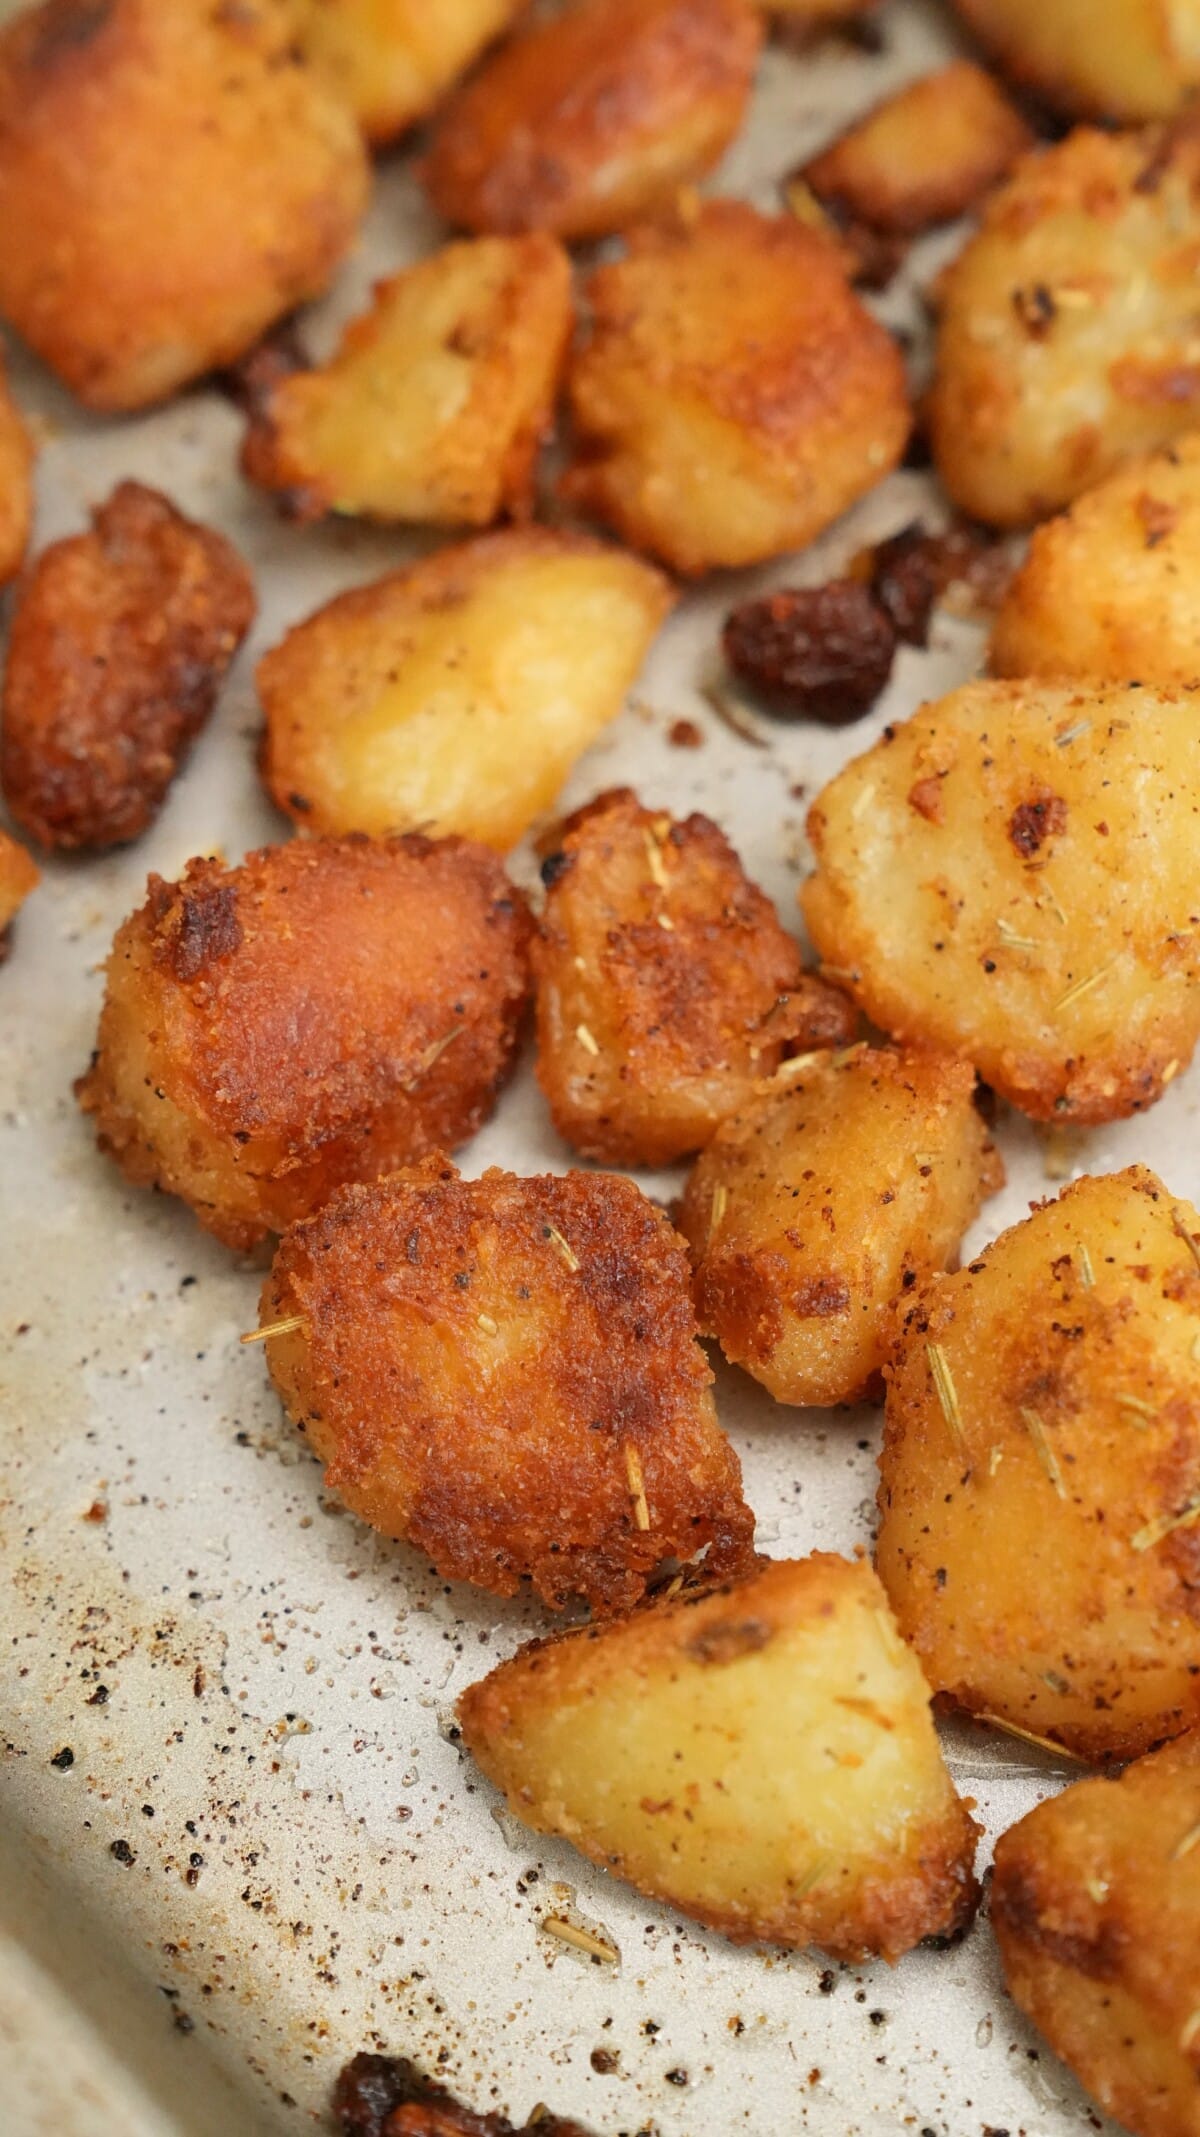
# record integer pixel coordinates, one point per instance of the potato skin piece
(394, 59)
(435, 405)
(171, 182)
(759, 1755)
(1142, 66)
(1012, 875)
(261, 1042)
(924, 155)
(684, 1017)
(1029, 1550)
(1094, 1903)
(19, 874)
(457, 693)
(16, 483)
(585, 122)
(487, 1367)
(734, 396)
(120, 639)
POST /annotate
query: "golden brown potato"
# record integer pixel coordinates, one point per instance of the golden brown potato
(845, 1182)
(734, 396)
(19, 875)
(16, 483)
(1094, 1903)
(1012, 875)
(506, 1373)
(595, 117)
(1041, 1472)
(1067, 335)
(387, 2096)
(119, 641)
(171, 181)
(1140, 59)
(760, 1756)
(321, 1014)
(393, 59)
(457, 694)
(665, 984)
(435, 405)
(925, 155)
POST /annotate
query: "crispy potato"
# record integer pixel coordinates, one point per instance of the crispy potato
(760, 1756)
(665, 984)
(262, 1040)
(734, 396)
(1140, 61)
(506, 1373)
(595, 117)
(1094, 1902)
(1067, 338)
(19, 874)
(1012, 875)
(435, 405)
(171, 181)
(387, 2096)
(846, 1181)
(924, 155)
(458, 693)
(394, 59)
(16, 483)
(120, 639)
(1041, 1472)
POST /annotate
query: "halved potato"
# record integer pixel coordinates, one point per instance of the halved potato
(16, 483)
(1040, 1488)
(1013, 875)
(1140, 59)
(19, 874)
(458, 693)
(760, 1756)
(925, 155)
(394, 59)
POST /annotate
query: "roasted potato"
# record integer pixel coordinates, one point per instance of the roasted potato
(387, 2096)
(458, 693)
(1139, 60)
(923, 156)
(1095, 1902)
(1013, 875)
(818, 15)
(734, 396)
(506, 1373)
(760, 1756)
(592, 118)
(1041, 1472)
(120, 639)
(665, 984)
(848, 1179)
(435, 405)
(1067, 336)
(171, 182)
(19, 875)
(323, 1013)
(394, 59)
(16, 483)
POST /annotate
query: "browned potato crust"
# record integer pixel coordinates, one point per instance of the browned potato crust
(759, 1756)
(585, 121)
(1139, 59)
(1067, 331)
(119, 641)
(734, 396)
(819, 14)
(16, 483)
(171, 181)
(393, 59)
(1013, 875)
(1041, 1472)
(506, 1373)
(19, 875)
(846, 1181)
(924, 155)
(325, 1012)
(1095, 1902)
(665, 984)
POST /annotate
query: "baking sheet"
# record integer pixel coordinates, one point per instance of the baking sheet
(268, 1851)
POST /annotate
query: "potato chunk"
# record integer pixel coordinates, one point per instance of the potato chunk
(595, 117)
(171, 182)
(506, 1373)
(1095, 1903)
(734, 396)
(760, 1756)
(925, 155)
(1141, 60)
(19, 875)
(1013, 875)
(1067, 332)
(436, 403)
(665, 984)
(457, 694)
(120, 639)
(1041, 1472)
(16, 483)
(394, 59)
(821, 1201)
(322, 1013)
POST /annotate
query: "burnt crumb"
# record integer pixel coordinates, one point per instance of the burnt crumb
(121, 1851)
(208, 929)
(373, 2088)
(684, 734)
(63, 1760)
(553, 868)
(909, 573)
(827, 1982)
(1033, 822)
(1036, 309)
(604, 2061)
(99, 1697)
(818, 653)
(677, 2077)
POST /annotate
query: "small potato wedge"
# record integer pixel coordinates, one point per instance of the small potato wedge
(16, 483)
(393, 60)
(1140, 60)
(849, 1180)
(1013, 875)
(506, 1373)
(19, 874)
(457, 694)
(435, 405)
(1094, 1903)
(1040, 1473)
(923, 156)
(760, 1756)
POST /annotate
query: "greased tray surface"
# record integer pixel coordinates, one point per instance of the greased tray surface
(268, 1850)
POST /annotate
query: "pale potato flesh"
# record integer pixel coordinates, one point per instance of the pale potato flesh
(393, 59)
(1137, 59)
